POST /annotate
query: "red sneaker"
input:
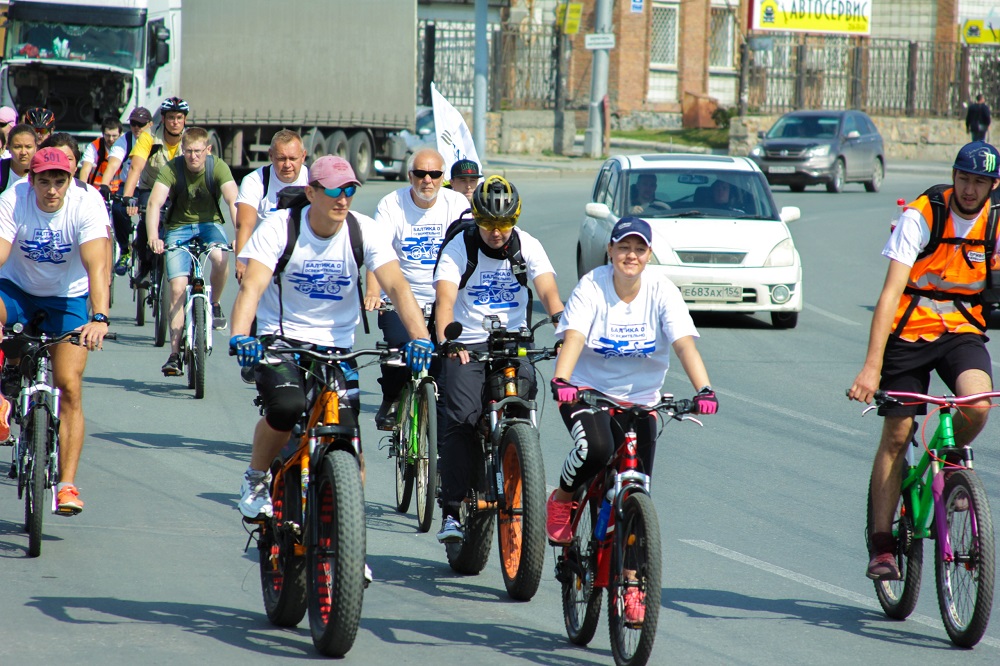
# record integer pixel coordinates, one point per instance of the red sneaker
(4, 419)
(68, 502)
(557, 522)
(635, 605)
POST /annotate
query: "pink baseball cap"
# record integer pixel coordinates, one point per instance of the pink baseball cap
(8, 116)
(47, 159)
(331, 171)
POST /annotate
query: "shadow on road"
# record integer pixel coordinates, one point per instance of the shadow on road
(156, 440)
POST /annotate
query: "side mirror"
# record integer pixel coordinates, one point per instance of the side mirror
(162, 48)
(853, 134)
(598, 210)
(761, 134)
(424, 131)
(789, 214)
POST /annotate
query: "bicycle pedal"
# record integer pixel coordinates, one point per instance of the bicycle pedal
(12, 472)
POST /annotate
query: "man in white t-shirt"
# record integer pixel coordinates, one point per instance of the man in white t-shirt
(259, 189)
(491, 288)
(294, 307)
(53, 254)
(417, 216)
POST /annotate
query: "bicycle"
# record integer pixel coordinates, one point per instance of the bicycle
(312, 548)
(509, 484)
(616, 541)
(941, 498)
(148, 290)
(196, 342)
(36, 410)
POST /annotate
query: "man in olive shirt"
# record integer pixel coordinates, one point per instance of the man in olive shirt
(194, 212)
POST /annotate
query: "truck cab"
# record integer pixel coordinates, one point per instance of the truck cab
(88, 59)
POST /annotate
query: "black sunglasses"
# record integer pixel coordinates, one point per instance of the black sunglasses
(421, 174)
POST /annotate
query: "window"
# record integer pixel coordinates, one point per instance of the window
(722, 34)
(613, 187)
(663, 50)
(602, 185)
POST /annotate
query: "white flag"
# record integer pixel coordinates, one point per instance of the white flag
(454, 140)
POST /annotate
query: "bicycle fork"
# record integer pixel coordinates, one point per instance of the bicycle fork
(204, 292)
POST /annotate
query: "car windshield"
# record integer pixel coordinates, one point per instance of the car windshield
(805, 127)
(702, 193)
(106, 45)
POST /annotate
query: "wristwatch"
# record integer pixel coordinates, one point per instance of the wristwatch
(101, 319)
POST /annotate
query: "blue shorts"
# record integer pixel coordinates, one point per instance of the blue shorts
(62, 313)
(178, 261)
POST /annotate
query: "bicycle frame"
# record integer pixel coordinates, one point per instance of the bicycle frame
(197, 288)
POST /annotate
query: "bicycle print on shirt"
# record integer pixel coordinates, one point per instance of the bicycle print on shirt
(423, 246)
(321, 279)
(497, 289)
(630, 340)
(46, 246)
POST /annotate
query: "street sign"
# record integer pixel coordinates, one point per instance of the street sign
(599, 41)
(637, 6)
(569, 20)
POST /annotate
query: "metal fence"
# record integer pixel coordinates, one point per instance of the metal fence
(881, 76)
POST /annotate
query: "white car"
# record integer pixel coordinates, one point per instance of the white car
(717, 233)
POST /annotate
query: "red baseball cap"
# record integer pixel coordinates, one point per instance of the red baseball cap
(47, 159)
(331, 171)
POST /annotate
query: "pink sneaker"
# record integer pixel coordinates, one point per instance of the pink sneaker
(4, 419)
(558, 519)
(635, 605)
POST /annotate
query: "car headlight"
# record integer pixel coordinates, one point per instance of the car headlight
(756, 151)
(783, 254)
(819, 151)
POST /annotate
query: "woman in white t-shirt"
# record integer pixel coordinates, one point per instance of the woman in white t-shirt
(617, 330)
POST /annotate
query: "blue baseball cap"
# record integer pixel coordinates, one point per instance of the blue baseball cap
(632, 226)
(978, 158)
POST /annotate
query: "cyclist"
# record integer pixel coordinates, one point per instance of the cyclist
(323, 247)
(492, 288)
(417, 216)
(42, 120)
(259, 189)
(465, 177)
(929, 316)
(194, 212)
(149, 154)
(118, 158)
(22, 144)
(95, 155)
(39, 220)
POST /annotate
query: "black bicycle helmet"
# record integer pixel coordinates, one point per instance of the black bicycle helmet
(174, 104)
(496, 199)
(40, 118)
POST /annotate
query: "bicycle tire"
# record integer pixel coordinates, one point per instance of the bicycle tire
(401, 449)
(37, 431)
(282, 571)
(336, 555)
(521, 516)
(965, 585)
(426, 464)
(160, 309)
(470, 556)
(581, 601)
(199, 350)
(898, 598)
(637, 537)
(140, 305)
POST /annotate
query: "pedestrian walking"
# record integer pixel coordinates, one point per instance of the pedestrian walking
(977, 119)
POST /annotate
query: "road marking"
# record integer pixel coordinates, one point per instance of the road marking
(835, 317)
(817, 584)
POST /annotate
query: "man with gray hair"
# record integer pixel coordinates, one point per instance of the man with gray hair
(417, 216)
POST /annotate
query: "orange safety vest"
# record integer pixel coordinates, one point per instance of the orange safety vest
(944, 291)
(102, 161)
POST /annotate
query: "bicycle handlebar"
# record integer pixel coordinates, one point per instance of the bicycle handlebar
(322, 355)
(667, 405)
(48, 340)
(889, 397)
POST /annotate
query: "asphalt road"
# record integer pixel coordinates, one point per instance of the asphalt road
(762, 510)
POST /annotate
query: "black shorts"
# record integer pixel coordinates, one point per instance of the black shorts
(907, 366)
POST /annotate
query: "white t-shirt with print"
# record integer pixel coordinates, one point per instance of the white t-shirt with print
(44, 256)
(252, 189)
(492, 288)
(626, 352)
(912, 235)
(13, 179)
(120, 151)
(319, 285)
(417, 234)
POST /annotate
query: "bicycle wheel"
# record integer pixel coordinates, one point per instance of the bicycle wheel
(199, 348)
(139, 293)
(401, 449)
(471, 555)
(635, 582)
(965, 583)
(37, 430)
(160, 307)
(521, 516)
(898, 598)
(581, 601)
(282, 571)
(336, 555)
(426, 464)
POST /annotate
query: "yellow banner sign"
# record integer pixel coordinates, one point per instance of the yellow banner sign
(569, 21)
(977, 31)
(852, 17)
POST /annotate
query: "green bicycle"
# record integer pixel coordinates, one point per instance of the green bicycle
(942, 499)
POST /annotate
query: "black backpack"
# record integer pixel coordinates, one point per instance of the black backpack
(294, 198)
(4, 173)
(177, 165)
(989, 298)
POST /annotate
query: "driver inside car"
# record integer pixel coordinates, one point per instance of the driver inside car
(643, 195)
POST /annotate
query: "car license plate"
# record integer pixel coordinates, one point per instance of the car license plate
(782, 169)
(711, 292)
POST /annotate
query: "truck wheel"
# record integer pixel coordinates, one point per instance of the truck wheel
(215, 141)
(359, 151)
(315, 144)
(336, 144)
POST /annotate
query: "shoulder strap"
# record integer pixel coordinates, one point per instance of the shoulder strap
(265, 175)
(471, 256)
(358, 250)
(4, 173)
(210, 184)
(939, 210)
(177, 166)
(292, 235)
(129, 139)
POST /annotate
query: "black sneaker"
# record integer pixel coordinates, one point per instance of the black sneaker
(172, 368)
(385, 419)
(218, 319)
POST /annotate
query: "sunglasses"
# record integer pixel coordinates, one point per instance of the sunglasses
(337, 191)
(497, 225)
(421, 174)
(136, 124)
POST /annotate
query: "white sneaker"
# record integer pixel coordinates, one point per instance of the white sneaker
(368, 574)
(451, 531)
(255, 498)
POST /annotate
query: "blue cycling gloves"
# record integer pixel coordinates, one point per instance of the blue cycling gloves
(248, 350)
(418, 354)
